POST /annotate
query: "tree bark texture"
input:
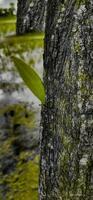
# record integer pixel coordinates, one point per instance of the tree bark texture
(66, 166)
(30, 15)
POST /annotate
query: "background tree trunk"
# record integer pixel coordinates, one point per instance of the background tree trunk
(22, 21)
(30, 15)
(66, 171)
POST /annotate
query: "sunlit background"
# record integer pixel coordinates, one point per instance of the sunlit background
(5, 3)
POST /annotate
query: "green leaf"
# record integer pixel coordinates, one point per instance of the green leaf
(31, 78)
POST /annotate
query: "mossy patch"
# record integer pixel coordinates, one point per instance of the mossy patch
(23, 182)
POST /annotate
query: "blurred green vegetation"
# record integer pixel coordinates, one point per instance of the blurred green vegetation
(20, 167)
(19, 154)
(7, 25)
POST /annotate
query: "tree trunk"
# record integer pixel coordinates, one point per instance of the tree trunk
(66, 166)
(37, 15)
(22, 21)
(30, 16)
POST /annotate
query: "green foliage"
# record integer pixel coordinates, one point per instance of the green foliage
(8, 19)
(7, 27)
(21, 115)
(16, 114)
(20, 44)
(12, 44)
(23, 181)
(11, 40)
(31, 78)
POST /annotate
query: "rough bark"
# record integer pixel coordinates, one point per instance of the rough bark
(30, 15)
(66, 166)
(22, 25)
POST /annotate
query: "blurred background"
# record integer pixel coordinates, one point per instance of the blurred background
(19, 110)
(5, 3)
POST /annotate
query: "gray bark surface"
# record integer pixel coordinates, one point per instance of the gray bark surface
(30, 15)
(22, 25)
(66, 165)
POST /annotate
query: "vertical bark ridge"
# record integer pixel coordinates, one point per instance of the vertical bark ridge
(66, 148)
(30, 16)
